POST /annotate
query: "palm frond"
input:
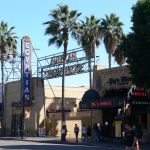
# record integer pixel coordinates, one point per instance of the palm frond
(62, 23)
(8, 42)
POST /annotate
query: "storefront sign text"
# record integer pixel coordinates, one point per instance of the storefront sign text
(59, 71)
(119, 81)
(101, 104)
(26, 52)
(59, 59)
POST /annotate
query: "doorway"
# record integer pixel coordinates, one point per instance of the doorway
(15, 124)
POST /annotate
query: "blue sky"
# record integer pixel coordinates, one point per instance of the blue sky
(28, 16)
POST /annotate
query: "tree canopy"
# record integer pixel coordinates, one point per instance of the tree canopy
(8, 40)
(137, 50)
(112, 34)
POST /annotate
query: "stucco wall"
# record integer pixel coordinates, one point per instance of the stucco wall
(113, 78)
(42, 99)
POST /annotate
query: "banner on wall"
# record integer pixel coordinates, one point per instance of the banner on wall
(26, 49)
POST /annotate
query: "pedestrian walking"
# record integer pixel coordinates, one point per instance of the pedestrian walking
(97, 133)
(76, 131)
(64, 132)
(89, 132)
(131, 139)
(83, 130)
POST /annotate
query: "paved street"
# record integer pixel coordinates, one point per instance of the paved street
(54, 143)
(28, 145)
(35, 144)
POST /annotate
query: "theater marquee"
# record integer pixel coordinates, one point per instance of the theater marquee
(52, 66)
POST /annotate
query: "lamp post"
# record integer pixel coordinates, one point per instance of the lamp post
(3, 97)
(22, 97)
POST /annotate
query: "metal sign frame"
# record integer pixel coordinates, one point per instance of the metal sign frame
(50, 67)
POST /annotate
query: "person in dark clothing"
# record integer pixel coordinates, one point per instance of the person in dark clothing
(89, 132)
(76, 131)
(131, 139)
(97, 133)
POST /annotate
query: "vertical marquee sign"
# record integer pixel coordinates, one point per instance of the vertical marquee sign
(26, 78)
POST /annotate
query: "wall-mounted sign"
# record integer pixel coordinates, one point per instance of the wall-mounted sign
(137, 92)
(119, 81)
(16, 104)
(98, 104)
(115, 102)
(26, 53)
(112, 78)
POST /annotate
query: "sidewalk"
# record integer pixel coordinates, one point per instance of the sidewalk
(72, 141)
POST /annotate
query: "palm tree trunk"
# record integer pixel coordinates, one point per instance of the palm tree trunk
(109, 59)
(63, 91)
(90, 73)
(63, 136)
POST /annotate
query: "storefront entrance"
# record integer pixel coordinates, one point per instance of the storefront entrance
(15, 124)
(139, 116)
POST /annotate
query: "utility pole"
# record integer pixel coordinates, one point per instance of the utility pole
(3, 96)
(22, 97)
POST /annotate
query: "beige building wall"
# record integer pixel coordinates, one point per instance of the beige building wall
(73, 96)
(12, 93)
(43, 99)
(112, 78)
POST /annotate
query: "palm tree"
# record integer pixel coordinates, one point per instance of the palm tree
(120, 50)
(119, 57)
(88, 35)
(112, 33)
(7, 45)
(62, 23)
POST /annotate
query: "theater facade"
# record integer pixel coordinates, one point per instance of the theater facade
(117, 90)
(105, 102)
(43, 113)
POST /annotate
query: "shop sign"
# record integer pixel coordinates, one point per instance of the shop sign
(97, 104)
(140, 102)
(16, 104)
(119, 81)
(56, 110)
(80, 114)
(26, 52)
(137, 92)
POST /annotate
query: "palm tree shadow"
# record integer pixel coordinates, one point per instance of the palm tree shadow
(54, 113)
